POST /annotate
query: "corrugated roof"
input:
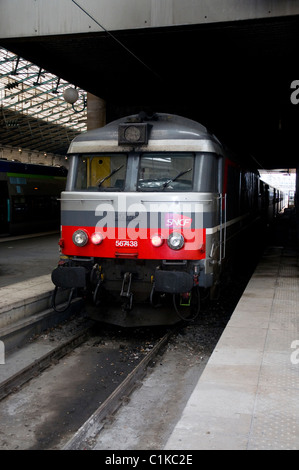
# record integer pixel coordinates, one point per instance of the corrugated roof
(33, 111)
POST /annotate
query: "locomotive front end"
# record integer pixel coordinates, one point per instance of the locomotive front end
(135, 217)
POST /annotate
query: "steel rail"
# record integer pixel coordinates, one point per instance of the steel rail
(84, 438)
(11, 384)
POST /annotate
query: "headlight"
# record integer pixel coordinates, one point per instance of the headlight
(96, 238)
(156, 240)
(80, 238)
(175, 241)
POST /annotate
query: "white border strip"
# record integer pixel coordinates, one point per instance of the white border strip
(165, 145)
(210, 231)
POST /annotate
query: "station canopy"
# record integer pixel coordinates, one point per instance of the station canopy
(33, 111)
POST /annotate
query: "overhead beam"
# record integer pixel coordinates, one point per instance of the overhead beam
(42, 18)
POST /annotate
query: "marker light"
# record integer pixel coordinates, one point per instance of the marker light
(175, 241)
(96, 238)
(156, 240)
(80, 238)
(137, 133)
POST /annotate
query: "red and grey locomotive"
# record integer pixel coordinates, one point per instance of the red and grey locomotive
(151, 208)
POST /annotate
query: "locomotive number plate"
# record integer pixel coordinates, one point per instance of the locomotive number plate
(126, 243)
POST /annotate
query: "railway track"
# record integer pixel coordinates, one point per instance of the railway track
(85, 376)
(86, 435)
(26, 373)
(68, 393)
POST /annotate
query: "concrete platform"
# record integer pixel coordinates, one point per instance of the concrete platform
(14, 298)
(28, 256)
(26, 288)
(247, 396)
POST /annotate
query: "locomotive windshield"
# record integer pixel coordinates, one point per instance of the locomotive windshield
(147, 171)
(165, 172)
(100, 173)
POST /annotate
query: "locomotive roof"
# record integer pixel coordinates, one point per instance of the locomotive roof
(163, 127)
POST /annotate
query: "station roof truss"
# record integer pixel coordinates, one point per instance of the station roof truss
(33, 112)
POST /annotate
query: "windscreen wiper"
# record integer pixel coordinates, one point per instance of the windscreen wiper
(109, 176)
(181, 173)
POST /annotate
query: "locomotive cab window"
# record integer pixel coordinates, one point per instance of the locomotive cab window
(165, 172)
(101, 172)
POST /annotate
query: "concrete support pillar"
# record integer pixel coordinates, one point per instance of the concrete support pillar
(96, 112)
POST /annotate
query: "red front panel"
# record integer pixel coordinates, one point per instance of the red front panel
(118, 243)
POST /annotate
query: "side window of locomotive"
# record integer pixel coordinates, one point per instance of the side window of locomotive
(80, 170)
(165, 172)
(233, 193)
(101, 172)
(206, 180)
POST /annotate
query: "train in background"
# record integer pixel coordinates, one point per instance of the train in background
(29, 197)
(154, 208)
